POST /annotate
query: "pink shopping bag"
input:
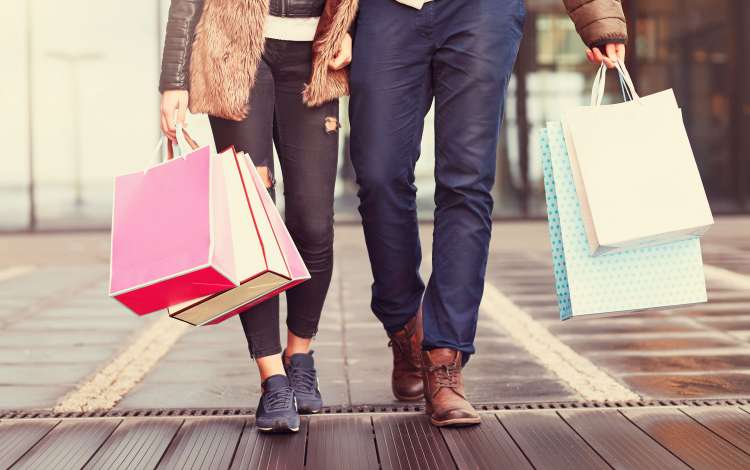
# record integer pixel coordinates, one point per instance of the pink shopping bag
(266, 257)
(171, 238)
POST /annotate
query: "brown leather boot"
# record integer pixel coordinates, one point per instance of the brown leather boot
(406, 379)
(444, 389)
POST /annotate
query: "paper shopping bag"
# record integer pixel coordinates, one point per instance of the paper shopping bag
(266, 257)
(171, 238)
(634, 170)
(666, 275)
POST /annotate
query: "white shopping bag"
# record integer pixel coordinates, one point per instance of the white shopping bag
(634, 170)
(667, 275)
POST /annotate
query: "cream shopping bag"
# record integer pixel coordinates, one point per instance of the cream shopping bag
(664, 276)
(634, 170)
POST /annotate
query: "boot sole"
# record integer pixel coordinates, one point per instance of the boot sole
(457, 422)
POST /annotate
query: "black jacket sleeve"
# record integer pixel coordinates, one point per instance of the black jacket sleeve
(175, 63)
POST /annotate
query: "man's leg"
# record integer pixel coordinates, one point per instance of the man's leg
(477, 46)
(391, 93)
(390, 97)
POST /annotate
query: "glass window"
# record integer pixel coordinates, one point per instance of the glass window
(687, 45)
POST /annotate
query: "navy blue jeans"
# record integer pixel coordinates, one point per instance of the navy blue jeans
(459, 53)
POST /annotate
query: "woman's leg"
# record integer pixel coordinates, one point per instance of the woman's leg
(277, 410)
(254, 135)
(307, 144)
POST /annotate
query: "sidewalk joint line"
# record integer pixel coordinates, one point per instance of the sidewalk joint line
(15, 271)
(581, 375)
(344, 327)
(728, 278)
(108, 386)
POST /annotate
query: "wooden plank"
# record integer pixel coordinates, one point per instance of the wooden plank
(548, 442)
(485, 446)
(204, 443)
(619, 442)
(17, 437)
(732, 424)
(258, 450)
(341, 443)
(69, 445)
(692, 443)
(136, 443)
(407, 441)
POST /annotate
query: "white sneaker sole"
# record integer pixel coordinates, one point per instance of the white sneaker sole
(278, 429)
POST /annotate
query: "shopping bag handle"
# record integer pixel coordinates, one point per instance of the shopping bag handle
(626, 84)
(184, 142)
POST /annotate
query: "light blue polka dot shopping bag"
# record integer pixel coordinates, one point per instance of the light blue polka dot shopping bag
(659, 276)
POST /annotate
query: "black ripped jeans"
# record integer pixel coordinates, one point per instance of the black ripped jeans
(306, 141)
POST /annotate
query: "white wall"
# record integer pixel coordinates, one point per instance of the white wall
(13, 91)
(117, 91)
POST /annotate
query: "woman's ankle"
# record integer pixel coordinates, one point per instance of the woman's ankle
(270, 365)
(296, 345)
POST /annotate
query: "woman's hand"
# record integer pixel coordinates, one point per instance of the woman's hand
(614, 51)
(344, 56)
(171, 101)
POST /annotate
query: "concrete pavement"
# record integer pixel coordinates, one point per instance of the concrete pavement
(59, 330)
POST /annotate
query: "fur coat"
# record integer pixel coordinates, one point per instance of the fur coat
(228, 47)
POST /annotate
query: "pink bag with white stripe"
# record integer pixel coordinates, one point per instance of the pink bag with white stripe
(171, 234)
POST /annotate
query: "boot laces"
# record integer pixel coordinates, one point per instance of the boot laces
(445, 375)
(399, 343)
(402, 346)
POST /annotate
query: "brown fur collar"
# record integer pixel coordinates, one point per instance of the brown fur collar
(228, 47)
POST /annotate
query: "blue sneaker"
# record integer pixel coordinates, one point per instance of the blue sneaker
(277, 409)
(300, 368)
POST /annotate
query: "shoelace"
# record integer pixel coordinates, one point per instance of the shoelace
(401, 344)
(303, 379)
(446, 375)
(279, 399)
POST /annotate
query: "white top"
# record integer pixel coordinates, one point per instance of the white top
(418, 4)
(291, 29)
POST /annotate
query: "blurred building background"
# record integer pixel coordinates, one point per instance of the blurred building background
(79, 102)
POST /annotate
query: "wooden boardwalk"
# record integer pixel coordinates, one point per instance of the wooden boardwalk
(672, 437)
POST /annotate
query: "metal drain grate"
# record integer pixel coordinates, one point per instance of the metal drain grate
(197, 412)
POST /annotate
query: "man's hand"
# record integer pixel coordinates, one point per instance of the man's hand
(344, 56)
(171, 101)
(614, 52)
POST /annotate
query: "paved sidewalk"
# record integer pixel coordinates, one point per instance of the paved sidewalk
(58, 330)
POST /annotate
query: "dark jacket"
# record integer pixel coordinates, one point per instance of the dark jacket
(598, 21)
(296, 8)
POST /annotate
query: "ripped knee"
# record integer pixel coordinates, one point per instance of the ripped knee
(265, 176)
(331, 125)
